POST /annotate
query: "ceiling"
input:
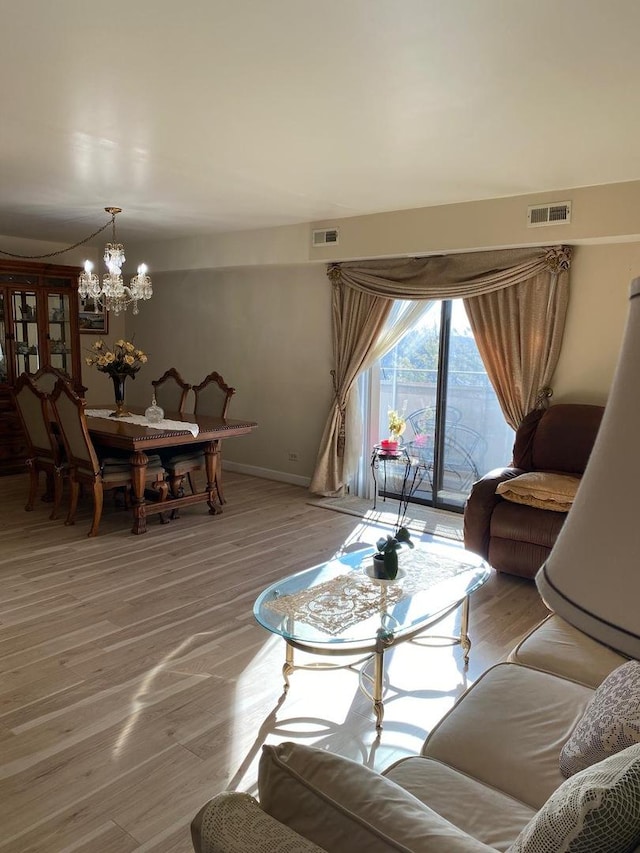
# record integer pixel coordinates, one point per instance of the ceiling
(205, 116)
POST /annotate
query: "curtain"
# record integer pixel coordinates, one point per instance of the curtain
(518, 332)
(402, 317)
(362, 296)
(358, 319)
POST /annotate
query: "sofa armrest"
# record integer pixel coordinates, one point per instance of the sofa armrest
(233, 822)
(479, 508)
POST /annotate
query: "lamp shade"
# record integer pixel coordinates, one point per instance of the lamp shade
(592, 575)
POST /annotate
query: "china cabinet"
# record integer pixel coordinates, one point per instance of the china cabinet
(38, 328)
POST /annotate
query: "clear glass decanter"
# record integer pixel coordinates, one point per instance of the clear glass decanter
(154, 414)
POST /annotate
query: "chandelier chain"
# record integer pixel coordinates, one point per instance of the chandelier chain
(61, 251)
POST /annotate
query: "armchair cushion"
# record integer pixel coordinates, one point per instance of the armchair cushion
(541, 489)
(343, 806)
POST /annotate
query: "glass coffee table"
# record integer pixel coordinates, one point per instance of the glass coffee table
(336, 608)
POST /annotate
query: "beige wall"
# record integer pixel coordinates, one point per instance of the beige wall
(99, 386)
(607, 213)
(256, 307)
(600, 279)
(268, 332)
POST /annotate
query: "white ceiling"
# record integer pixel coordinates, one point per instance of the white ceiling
(200, 116)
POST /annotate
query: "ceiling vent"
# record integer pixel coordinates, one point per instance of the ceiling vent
(325, 237)
(556, 213)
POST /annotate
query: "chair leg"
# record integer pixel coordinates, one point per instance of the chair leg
(162, 487)
(98, 497)
(74, 491)
(177, 490)
(191, 483)
(218, 479)
(49, 490)
(57, 494)
(33, 484)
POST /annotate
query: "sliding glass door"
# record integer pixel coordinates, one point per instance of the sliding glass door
(455, 431)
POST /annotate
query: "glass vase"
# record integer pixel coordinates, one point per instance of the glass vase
(118, 380)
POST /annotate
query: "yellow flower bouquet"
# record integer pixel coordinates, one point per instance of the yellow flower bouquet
(397, 424)
(122, 359)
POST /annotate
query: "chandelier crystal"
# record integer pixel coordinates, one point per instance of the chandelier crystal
(113, 294)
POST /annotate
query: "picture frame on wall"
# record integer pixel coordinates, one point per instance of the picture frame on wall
(92, 318)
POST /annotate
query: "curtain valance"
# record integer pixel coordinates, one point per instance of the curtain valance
(450, 276)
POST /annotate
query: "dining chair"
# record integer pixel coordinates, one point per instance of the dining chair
(45, 378)
(44, 452)
(212, 397)
(85, 467)
(171, 391)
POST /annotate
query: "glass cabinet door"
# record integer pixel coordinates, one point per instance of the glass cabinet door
(25, 331)
(59, 331)
(4, 371)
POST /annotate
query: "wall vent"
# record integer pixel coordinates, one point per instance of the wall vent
(325, 237)
(556, 213)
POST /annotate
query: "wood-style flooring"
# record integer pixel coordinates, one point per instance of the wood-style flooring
(135, 683)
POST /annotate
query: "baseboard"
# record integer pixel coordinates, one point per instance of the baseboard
(266, 473)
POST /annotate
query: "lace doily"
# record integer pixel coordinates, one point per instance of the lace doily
(335, 605)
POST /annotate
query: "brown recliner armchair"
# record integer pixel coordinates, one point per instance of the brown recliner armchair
(513, 537)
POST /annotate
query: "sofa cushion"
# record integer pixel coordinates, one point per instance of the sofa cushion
(610, 723)
(344, 806)
(512, 718)
(483, 812)
(541, 489)
(595, 811)
(556, 646)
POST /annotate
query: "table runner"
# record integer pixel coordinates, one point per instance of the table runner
(164, 424)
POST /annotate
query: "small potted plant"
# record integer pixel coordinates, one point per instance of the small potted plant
(397, 425)
(385, 560)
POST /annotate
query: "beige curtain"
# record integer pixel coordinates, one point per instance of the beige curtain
(404, 314)
(518, 331)
(358, 319)
(357, 322)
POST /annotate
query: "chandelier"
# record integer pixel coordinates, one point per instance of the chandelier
(113, 294)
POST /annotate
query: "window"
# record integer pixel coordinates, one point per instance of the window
(455, 430)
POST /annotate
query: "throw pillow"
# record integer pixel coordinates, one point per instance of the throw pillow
(595, 811)
(611, 721)
(341, 805)
(541, 489)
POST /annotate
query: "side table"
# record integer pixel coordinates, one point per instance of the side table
(380, 458)
(414, 472)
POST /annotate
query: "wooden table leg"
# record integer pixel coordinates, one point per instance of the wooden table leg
(211, 458)
(139, 462)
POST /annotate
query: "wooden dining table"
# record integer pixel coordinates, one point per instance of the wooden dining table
(139, 440)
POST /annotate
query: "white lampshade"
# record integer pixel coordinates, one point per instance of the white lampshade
(592, 576)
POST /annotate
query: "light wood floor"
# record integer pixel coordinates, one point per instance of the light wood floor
(135, 684)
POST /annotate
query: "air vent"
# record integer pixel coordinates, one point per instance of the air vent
(556, 213)
(325, 237)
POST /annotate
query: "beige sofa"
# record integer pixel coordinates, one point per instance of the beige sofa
(485, 780)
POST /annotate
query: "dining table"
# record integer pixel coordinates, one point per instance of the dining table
(200, 433)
